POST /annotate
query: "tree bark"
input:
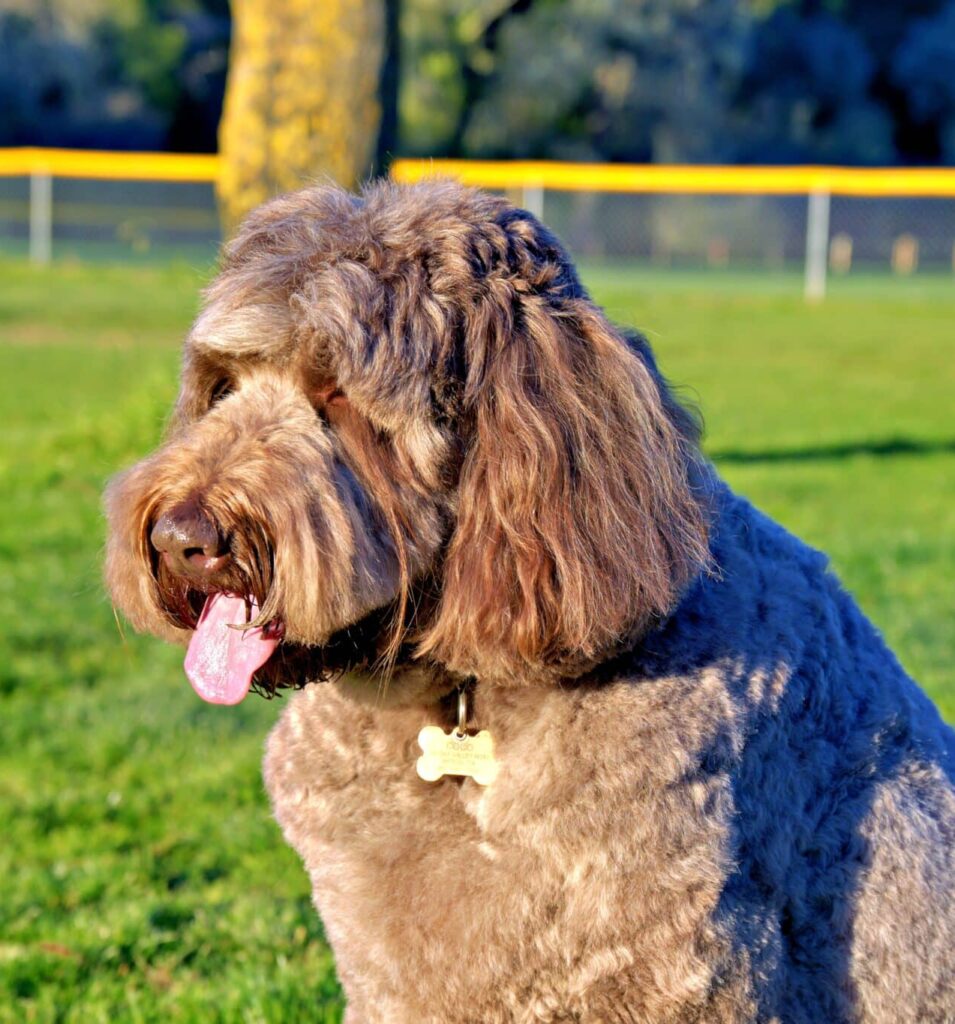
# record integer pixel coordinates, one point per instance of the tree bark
(302, 98)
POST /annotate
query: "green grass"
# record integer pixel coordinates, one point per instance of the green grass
(141, 877)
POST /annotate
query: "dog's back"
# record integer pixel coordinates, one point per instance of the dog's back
(843, 803)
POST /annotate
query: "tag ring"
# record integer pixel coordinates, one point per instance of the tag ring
(462, 727)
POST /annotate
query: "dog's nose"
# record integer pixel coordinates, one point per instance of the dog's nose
(189, 541)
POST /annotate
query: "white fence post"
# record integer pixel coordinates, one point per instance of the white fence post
(41, 217)
(817, 244)
(532, 200)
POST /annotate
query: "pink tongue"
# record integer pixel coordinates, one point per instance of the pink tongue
(221, 660)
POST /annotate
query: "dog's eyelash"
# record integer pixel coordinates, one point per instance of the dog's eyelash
(220, 390)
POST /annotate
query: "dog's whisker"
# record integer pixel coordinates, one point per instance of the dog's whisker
(120, 628)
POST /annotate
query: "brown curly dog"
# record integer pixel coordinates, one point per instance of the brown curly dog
(673, 774)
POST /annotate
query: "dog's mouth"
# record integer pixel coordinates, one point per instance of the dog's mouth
(222, 606)
(238, 640)
(226, 650)
(232, 652)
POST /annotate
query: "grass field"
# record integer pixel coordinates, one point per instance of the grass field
(141, 878)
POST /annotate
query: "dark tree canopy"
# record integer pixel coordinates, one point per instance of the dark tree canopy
(848, 81)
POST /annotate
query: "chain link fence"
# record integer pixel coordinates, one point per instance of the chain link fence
(75, 218)
(754, 232)
(817, 232)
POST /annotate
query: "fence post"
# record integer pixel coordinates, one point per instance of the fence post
(532, 200)
(41, 217)
(817, 244)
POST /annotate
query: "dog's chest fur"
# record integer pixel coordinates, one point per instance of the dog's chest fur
(528, 889)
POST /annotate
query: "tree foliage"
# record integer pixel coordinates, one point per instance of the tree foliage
(852, 81)
(923, 69)
(117, 74)
(618, 81)
(739, 80)
(805, 95)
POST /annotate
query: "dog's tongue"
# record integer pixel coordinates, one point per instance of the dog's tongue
(221, 659)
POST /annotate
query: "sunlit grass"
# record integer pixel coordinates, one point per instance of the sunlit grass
(141, 877)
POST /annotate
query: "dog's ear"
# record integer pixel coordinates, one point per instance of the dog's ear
(578, 524)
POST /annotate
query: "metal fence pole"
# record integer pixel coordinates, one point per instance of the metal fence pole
(817, 245)
(41, 217)
(532, 200)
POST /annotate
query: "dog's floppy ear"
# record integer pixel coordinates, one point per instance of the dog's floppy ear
(577, 521)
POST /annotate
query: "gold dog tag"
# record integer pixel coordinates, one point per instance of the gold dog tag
(456, 753)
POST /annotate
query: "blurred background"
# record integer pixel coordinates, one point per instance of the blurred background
(765, 81)
(766, 188)
(345, 87)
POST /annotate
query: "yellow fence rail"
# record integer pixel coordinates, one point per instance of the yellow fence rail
(647, 178)
(88, 163)
(528, 178)
(924, 182)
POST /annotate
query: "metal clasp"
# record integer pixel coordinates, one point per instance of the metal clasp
(461, 729)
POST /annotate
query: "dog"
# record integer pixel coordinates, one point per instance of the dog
(578, 734)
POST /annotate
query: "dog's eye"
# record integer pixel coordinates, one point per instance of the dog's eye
(220, 390)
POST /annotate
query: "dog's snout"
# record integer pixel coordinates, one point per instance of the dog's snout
(189, 541)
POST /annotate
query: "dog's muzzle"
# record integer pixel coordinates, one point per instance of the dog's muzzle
(226, 649)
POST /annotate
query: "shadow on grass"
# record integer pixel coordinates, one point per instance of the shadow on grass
(819, 453)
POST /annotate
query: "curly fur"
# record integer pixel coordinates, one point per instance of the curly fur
(436, 463)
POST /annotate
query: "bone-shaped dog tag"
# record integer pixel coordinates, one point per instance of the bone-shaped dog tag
(456, 753)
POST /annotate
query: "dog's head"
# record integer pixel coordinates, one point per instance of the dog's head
(405, 433)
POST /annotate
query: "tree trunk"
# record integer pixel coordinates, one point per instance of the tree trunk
(301, 98)
(387, 147)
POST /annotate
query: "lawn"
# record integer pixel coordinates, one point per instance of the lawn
(141, 877)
